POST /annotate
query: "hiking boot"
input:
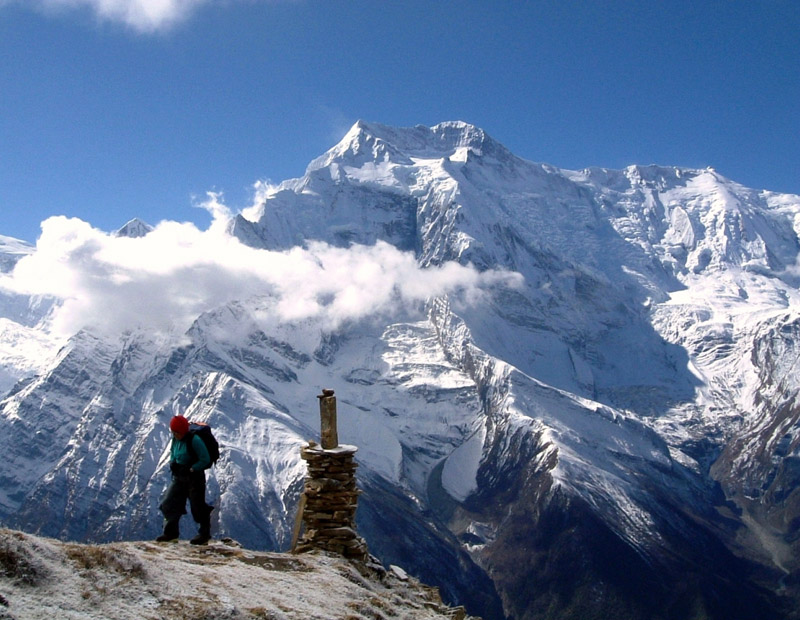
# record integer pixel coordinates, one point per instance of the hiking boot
(166, 538)
(171, 532)
(204, 533)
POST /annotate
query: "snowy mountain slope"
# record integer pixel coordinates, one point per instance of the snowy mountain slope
(23, 345)
(628, 400)
(258, 392)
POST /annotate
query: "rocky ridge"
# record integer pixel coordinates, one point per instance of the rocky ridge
(45, 578)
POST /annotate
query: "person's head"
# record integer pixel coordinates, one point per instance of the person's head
(179, 426)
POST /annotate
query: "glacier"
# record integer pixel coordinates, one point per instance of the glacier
(568, 388)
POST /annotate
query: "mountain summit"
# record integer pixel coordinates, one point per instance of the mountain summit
(606, 426)
(381, 142)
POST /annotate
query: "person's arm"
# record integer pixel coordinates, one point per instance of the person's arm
(201, 452)
(174, 466)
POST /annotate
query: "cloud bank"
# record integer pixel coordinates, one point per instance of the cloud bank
(164, 280)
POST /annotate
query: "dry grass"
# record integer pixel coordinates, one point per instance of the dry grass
(259, 613)
(16, 562)
(91, 557)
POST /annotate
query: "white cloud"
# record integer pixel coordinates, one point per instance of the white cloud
(166, 279)
(141, 15)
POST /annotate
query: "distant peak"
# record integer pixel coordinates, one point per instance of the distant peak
(134, 228)
(12, 245)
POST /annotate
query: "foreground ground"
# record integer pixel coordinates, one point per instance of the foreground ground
(45, 578)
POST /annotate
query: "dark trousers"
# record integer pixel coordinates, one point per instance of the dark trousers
(173, 506)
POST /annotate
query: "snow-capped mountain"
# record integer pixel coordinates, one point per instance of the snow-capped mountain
(610, 429)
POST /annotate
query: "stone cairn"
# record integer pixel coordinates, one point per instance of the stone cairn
(329, 500)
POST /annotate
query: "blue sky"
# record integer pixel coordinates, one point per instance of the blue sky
(139, 111)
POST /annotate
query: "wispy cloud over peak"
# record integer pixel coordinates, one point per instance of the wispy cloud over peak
(146, 16)
(163, 281)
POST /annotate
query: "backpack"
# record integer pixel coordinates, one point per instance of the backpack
(203, 430)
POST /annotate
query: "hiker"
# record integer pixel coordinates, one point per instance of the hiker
(189, 458)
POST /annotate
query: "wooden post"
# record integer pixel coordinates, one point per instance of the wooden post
(298, 521)
(327, 413)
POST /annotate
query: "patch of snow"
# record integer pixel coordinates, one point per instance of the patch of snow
(460, 472)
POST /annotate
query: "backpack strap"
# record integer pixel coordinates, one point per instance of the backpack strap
(189, 439)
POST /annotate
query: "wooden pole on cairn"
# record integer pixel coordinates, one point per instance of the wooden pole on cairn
(329, 436)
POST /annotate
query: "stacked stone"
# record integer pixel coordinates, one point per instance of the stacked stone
(331, 498)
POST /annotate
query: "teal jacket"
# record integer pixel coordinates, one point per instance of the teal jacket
(181, 454)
